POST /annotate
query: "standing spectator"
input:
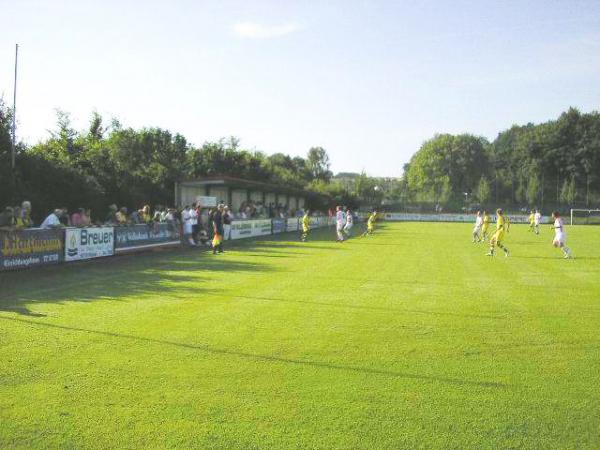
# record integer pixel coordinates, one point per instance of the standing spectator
(53, 220)
(111, 217)
(218, 228)
(26, 214)
(186, 217)
(7, 219)
(211, 214)
(194, 220)
(157, 213)
(227, 219)
(170, 217)
(163, 214)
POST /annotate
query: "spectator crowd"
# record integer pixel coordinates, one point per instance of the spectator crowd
(199, 224)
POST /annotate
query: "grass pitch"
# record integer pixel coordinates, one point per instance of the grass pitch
(409, 338)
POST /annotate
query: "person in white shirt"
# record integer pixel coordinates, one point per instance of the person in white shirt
(52, 221)
(560, 236)
(349, 223)
(477, 228)
(340, 222)
(186, 218)
(194, 219)
(537, 218)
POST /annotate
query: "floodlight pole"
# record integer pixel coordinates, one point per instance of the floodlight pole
(14, 117)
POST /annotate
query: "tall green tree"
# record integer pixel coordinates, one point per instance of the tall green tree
(483, 190)
(319, 164)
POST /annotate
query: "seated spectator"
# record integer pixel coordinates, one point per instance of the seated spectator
(78, 218)
(64, 218)
(86, 217)
(7, 219)
(26, 214)
(136, 217)
(53, 220)
(111, 217)
(18, 218)
(121, 216)
(145, 214)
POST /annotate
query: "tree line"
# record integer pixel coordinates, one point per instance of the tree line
(548, 165)
(108, 163)
(555, 164)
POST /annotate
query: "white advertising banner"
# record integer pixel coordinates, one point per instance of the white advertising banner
(430, 217)
(408, 217)
(249, 228)
(292, 224)
(87, 243)
(261, 227)
(206, 202)
(241, 229)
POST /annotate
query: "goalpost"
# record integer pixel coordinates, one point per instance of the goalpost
(585, 216)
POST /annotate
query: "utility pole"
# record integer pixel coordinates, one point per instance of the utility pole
(14, 118)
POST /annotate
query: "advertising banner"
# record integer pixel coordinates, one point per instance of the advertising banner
(319, 221)
(29, 248)
(206, 202)
(279, 225)
(133, 237)
(261, 227)
(248, 228)
(87, 243)
(241, 229)
(430, 217)
(410, 217)
(292, 224)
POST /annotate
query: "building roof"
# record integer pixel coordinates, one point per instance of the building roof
(239, 183)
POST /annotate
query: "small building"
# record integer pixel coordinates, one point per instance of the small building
(235, 192)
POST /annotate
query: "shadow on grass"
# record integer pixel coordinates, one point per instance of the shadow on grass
(171, 274)
(167, 271)
(271, 358)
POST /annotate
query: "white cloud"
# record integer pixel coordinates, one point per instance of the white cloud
(257, 31)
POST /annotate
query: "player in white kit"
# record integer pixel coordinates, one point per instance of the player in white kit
(349, 223)
(340, 221)
(560, 236)
(477, 228)
(537, 218)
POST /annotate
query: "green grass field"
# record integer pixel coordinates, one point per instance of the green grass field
(409, 338)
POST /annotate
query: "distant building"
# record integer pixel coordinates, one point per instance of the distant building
(235, 191)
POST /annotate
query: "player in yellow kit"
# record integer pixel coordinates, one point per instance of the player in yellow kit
(531, 220)
(486, 226)
(305, 226)
(498, 237)
(371, 223)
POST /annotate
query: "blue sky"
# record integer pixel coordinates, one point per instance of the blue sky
(367, 80)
